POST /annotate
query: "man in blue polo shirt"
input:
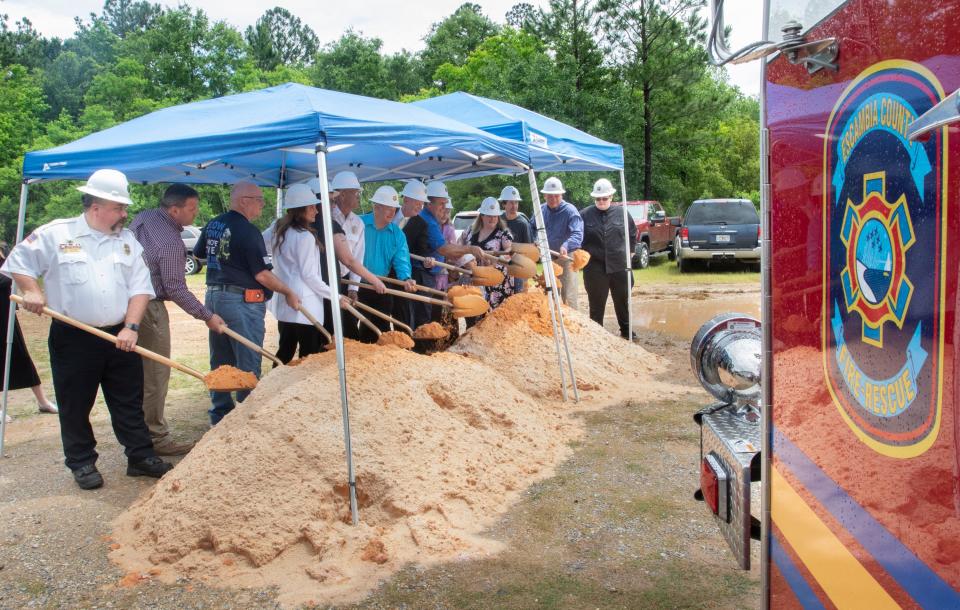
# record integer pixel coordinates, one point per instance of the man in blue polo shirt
(564, 234)
(239, 284)
(385, 251)
(425, 238)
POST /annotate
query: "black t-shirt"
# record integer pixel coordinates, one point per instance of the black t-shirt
(234, 250)
(520, 229)
(318, 227)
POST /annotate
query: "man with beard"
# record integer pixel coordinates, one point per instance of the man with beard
(93, 271)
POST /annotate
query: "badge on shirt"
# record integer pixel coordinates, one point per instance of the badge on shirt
(126, 249)
(70, 247)
(31, 238)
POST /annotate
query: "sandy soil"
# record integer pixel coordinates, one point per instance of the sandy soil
(56, 538)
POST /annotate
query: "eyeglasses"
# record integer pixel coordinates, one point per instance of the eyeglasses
(258, 198)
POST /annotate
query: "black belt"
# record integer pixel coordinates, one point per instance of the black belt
(112, 329)
(227, 288)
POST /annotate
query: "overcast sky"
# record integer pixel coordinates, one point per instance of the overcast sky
(401, 25)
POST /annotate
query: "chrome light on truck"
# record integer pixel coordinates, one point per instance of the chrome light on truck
(725, 356)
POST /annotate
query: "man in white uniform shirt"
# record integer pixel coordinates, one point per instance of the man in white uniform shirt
(93, 271)
(343, 211)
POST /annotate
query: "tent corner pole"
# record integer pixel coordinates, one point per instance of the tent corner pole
(553, 299)
(279, 202)
(11, 322)
(333, 272)
(626, 247)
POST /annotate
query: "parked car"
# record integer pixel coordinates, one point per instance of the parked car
(463, 221)
(190, 235)
(655, 231)
(719, 230)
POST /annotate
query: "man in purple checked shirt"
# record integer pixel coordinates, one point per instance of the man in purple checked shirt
(158, 231)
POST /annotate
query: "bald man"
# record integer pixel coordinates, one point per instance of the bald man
(239, 284)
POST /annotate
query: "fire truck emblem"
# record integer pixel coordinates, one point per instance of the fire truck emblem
(884, 248)
(877, 236)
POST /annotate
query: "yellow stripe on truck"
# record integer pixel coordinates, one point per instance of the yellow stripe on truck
(844, 579)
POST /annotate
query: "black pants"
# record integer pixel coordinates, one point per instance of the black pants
(350, 330)
(424, 313)
(294, 335)
(382, 303)
(81, 363)
(598, 285)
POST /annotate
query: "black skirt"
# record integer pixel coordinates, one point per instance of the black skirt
(23, 374)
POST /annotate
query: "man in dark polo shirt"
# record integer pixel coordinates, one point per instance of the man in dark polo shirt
(239, 284)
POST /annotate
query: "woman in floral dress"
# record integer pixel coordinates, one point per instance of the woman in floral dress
(490, 232)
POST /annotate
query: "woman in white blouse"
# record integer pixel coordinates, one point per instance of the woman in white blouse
(297, 259)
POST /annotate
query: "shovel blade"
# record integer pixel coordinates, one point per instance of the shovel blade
(469, 306)
(487, 276)
(531, 251)
(521, 267)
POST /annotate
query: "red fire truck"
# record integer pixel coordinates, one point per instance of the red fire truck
(844, 403)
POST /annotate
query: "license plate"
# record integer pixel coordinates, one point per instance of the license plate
(723, 239)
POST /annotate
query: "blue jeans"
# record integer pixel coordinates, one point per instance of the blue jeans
(247, 320)
(519, 285)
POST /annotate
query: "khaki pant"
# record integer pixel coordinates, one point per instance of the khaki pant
(155, 336)
(568, 281)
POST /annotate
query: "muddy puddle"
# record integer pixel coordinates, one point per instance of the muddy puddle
(682, 317)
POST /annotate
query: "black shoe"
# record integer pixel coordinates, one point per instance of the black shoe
(88, 477)
(149, 467)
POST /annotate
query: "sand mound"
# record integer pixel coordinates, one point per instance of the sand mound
(431, 330)
(442, 446)
(607, 367)
(396, 338)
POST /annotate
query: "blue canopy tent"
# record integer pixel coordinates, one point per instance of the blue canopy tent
(276, 137)
(552, 146)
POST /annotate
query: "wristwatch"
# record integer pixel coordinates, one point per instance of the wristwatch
(134, 327)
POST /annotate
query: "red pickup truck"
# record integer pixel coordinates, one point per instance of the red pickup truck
(655, 231)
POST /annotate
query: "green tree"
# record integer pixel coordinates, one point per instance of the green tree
(65, 82)
(279, 37)
(125, 17)
(657, 46)
(453, 39)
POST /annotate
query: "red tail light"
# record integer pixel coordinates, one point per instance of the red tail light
(758, 232)
(684, 233)
(713, 485)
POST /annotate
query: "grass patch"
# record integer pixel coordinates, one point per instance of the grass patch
(666, 271)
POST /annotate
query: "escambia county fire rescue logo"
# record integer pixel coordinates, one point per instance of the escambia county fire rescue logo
(884, 223)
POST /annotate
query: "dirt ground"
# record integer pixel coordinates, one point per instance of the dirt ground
(616, 527)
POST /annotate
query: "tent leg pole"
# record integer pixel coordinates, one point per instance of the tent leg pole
(550, 279)
(11, 321)
(279, 202)
(626, 248)
(334, 272)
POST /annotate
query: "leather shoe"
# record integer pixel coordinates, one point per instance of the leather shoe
(88, 477)
(171, 447)
(148, 467)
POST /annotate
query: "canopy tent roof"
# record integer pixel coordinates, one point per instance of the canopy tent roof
(270, 136)
(552, 145)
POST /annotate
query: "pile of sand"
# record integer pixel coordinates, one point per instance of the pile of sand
(516, 339)
(442, 446)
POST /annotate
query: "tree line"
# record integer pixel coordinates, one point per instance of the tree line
(630, 72)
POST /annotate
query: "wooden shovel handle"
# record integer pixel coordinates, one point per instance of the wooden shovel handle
(113, 339)
(442, 265)
(400, 293)
(315, 322)
(380, 314)
(363, 319)
(560, 256)
(250, 344)
(391, 280)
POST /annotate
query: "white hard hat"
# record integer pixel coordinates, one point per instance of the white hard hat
(386, 195)
(414, 189)
(553, 186)
(603, 188)
(316, 187)
(299, 196)
(345, 180)
(437, 189)
(107, 184)
(510, 193)
(490, 207)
